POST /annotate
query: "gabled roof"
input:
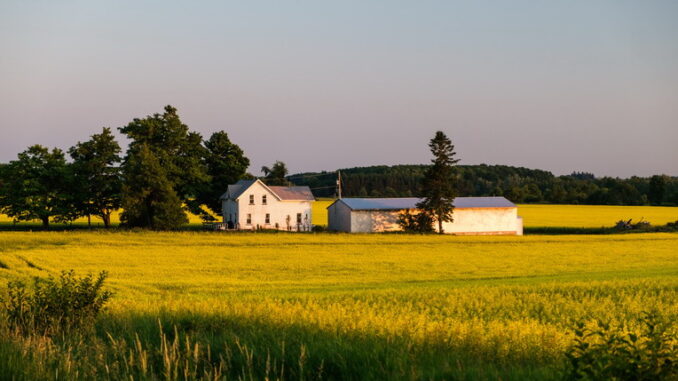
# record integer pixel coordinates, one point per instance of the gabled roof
(297, 193)
(400, 203)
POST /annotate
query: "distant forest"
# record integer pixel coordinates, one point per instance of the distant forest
(518, 184)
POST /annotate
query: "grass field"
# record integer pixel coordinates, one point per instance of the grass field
(338, 306)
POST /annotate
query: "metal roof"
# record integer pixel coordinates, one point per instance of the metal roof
(297, 193)
(401, 203)
(302, 193)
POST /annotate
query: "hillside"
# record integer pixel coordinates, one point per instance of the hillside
(518, 184)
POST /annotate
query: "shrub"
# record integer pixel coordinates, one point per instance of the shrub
(611, 353)
(55, 305)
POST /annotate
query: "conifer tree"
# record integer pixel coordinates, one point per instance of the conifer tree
(438, 186)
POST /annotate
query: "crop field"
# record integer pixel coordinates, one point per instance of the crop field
(339, 306)
(569, 216)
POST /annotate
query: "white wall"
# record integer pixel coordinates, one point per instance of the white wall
(466, 221)
(485, 221)
(278, 210)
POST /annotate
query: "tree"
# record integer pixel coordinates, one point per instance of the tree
(657, 189)
(148, 198)
(276, 174)
(438, 187)
(36, 186)
(97, 176)
(415, 222)
(226, 164)
(179, 152)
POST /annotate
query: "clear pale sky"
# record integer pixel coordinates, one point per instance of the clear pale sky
(563, 86)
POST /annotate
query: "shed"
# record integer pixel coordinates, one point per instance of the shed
(472, 215)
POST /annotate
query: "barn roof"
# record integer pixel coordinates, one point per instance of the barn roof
(297, 193)
(401, 203)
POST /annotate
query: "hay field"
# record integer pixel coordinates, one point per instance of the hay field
(341, 306)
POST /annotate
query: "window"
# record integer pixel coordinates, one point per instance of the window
(251, 199)
(298, 218)
(263, 199)
(249, 219)
(268, 217)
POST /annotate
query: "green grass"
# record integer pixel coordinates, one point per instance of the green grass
(339, 306)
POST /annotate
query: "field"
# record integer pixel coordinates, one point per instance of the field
(534, 216)
(338, 306)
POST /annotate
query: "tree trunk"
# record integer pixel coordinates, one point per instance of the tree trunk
(107, 219)
(89, 220)
(45, 222)
(440, 224)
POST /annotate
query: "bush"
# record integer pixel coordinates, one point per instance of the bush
(610, 353)
(55, 305)
(420, 222)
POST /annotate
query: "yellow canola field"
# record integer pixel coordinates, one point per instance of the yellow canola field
(499, 298)
(582, 216)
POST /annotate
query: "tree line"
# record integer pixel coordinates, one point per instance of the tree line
(166, 171)
(518, 184)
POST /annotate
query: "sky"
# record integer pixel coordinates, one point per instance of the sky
(557, 85)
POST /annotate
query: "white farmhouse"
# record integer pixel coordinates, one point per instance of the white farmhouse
(472, 215)
(251, 204)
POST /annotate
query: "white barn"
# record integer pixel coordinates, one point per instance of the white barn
(251, 204)
(472, 215)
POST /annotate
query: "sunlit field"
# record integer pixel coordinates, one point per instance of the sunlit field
(570, 216)
(340, 306)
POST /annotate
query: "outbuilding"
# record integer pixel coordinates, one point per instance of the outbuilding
(472, 215)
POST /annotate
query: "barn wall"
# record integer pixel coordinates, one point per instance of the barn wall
(485, 221)
(339, 217)
(278, 210)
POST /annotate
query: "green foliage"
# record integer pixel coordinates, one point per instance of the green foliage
(226, 164)
(37, 186)
(55, 305)
(179, 152)
(97, 182)
(438, 186)
(421, 222)
(148, 198)
(275, 175)
(611, 353)
(657, 189)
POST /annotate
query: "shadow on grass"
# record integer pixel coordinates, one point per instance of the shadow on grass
(185, 345)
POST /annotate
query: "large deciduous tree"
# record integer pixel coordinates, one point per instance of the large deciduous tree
(275, 175)
(37, 186)
(226, 164)
(438, 185)
(164, 140)
(97, 176)
(148, 197)
(179, 151)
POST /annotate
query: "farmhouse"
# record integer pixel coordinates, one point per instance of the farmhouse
(472, 215)
(251, 204)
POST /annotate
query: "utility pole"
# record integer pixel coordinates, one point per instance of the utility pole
(339, 184)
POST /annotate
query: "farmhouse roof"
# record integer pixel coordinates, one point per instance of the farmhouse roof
(296, 193)
(302, 193)
(401, 203)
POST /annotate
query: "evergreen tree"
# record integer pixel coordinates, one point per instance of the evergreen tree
(148, 198)
(97, 182)
(438, 187)
(37, 186)
(276, 174)
(226, 164)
